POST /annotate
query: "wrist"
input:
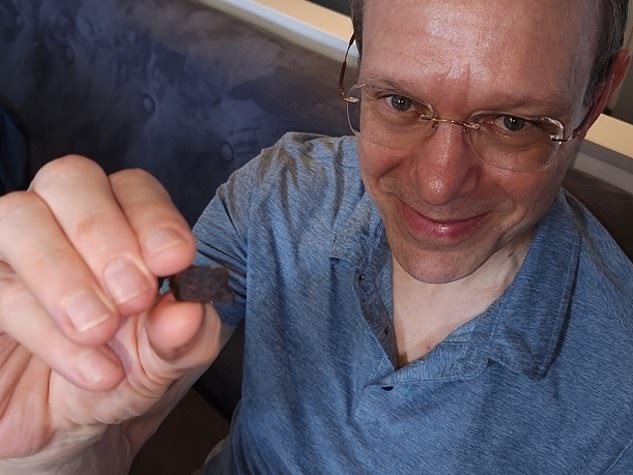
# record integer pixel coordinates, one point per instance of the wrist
(85, 451)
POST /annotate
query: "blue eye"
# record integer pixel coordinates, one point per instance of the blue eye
(400, 103)
(513, 124)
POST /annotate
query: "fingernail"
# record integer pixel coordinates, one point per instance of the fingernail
(85, 310)
(125, 281)
(162, 239)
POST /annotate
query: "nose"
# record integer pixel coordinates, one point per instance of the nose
(445, 166)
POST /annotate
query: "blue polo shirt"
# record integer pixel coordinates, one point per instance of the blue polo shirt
(541, 382)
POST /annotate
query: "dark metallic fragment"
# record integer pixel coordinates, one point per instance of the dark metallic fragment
(202, 284)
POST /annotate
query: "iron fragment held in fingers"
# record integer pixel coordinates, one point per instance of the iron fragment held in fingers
(202, 284)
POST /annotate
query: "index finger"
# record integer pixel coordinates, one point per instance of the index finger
(80, 255)
(79, 196)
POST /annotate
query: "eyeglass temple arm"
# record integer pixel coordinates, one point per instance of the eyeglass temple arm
(578, 130)
(341, 79)
(581, 127)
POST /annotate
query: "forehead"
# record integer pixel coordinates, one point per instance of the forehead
(536, 48)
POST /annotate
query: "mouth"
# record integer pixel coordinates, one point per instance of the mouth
(447, 230)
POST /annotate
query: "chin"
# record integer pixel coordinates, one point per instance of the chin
(435, 261)
(438, 267)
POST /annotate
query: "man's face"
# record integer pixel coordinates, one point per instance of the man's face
(445, 212)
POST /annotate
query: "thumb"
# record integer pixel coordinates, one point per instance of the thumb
(183, 334)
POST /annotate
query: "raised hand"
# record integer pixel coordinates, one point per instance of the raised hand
(85, 340)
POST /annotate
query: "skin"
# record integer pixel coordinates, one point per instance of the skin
(92, 359)
(459, 229)
(66, 388)
(465, 59)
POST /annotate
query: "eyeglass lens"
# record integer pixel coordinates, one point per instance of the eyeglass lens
(499, 139)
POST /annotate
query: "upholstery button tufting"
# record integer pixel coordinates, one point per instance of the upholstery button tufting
(69, 54)
(227, 152)
(149, 104)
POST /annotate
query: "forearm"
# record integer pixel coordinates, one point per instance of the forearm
(97, 452)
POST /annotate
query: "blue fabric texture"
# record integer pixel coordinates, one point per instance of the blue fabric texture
(173, 87)
(541, 382)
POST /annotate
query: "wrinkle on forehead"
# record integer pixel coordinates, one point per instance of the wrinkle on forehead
(490, 41)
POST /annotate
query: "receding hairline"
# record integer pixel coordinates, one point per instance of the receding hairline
(610, 26)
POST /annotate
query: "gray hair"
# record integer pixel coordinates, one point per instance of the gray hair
(610, 37)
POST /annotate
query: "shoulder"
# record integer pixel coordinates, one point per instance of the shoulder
(597, 334)
(601, 260)
(604, 281)
(303, 174)
(309, 156)
(308, 160)
(304, 179)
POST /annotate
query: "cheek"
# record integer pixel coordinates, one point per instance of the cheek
(375, 164)
(532, 193)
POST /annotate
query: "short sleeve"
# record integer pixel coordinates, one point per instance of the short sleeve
(223, 228)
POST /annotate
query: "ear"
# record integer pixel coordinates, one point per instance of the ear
(619, 68)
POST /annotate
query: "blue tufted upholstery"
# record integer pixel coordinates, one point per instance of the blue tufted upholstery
(187, 93)
(173, 87)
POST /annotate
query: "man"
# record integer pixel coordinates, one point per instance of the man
(419, 299)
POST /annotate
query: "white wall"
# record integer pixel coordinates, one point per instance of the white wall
(302, 22)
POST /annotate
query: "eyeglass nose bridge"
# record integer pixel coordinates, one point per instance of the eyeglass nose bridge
(439, 120)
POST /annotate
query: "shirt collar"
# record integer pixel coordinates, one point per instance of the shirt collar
(522, 329)
(524, 326)
(356, 236)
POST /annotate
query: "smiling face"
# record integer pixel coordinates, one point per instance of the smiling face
(446, 213)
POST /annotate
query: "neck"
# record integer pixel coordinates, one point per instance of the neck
(426, 313)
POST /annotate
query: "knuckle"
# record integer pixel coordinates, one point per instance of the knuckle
(149, 214)
(132, 174)
(14, 296)
(90, 227)
(64, 168)
(18, 205)
(145, 185)
(128, 176)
